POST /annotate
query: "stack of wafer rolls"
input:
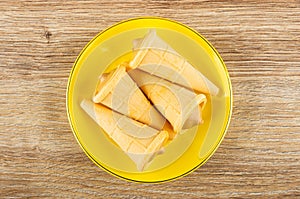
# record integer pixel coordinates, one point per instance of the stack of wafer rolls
(144, 103)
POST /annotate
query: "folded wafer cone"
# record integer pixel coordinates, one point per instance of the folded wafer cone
(156, 57)
(180, 106)
(119, 92)
(139, 141)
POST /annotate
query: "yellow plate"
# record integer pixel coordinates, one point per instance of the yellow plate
(188, 151)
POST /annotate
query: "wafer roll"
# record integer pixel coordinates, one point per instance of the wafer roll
(139, 141)
(119, 92)
(180, 106)
(152, 51)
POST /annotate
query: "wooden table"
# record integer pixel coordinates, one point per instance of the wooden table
(259, 42)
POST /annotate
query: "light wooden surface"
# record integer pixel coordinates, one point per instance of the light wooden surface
(259, 42)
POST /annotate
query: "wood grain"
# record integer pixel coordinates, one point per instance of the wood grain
(259, 42)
